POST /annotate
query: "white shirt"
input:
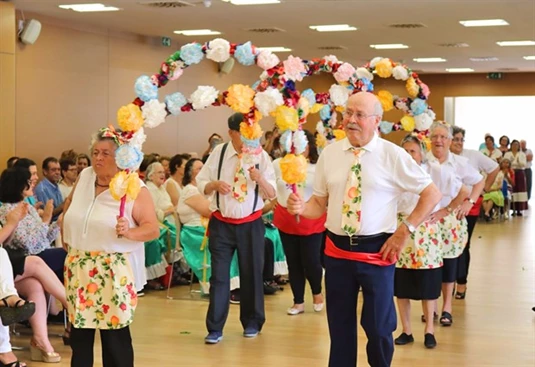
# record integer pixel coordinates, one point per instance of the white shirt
(480, 161)
(230, 207)
(495, 155)
(517, 162)
(89, 224)
(65, 190)
(387, 172)
(188, 216)
(161, 199)
(448, 176)
(528, 152)
(284, 190)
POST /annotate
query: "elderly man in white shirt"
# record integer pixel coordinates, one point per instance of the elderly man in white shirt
(529, 161)
(487, 166)
(236, 224)
(360, 179)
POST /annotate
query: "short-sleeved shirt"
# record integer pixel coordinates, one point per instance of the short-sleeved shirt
(188, 216)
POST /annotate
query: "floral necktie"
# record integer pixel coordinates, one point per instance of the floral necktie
(352, 196)
(239, 187)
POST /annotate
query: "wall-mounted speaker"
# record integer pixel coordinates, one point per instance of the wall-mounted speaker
(226, 67)
(30, 32)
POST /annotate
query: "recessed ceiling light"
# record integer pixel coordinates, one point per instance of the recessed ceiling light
(89, 7)
(530, 58)
(274, 49)
(252, 2)
(516, 43)
(459, 70)
(430, 59)
(333, 28)
(389, 46)
(476, 59)
(484, 23)
(198, 32)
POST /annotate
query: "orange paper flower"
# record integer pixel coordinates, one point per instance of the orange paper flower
(251, 132)
(240, 98)
(130, 118)
(293, 169)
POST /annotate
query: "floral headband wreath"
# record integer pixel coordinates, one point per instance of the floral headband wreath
(275, 94)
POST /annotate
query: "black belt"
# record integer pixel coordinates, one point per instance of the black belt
(363, 240)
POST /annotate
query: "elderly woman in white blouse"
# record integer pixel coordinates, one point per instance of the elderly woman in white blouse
(518, 163)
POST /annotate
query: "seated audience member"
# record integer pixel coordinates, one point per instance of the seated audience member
(11, 161)
(507, 185)
(173, 185)
(213, 141)
(33, 235)
(147, 161)
(68, 154)
(34, 178)
(493, 197)
(490, 149)
(164, 160)
(48, 188)
(82, 162)
(69, 173)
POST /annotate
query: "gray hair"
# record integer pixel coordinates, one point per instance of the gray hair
(410, 138)
(378, 109)
(99, 136)
(458, 129)
(442, 125)
(151, 168)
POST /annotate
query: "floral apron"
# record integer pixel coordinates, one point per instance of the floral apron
(454, 235)
(424, 248)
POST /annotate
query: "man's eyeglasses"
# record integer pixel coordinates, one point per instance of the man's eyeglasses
(439, 137)
(359, 116)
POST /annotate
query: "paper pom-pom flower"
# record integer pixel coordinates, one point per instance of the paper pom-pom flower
(125, 184)
(250, 131)
(294, 69)
(375, 60)
(268, 100)
(285, 141)
(154, 113)
(364, 73)
(138, 139)
(418, 106)
(267, 60)
(339, 94)
(310, 95)
(251, 143)
(424, 89)
(321, 140)
(423, 122)
(303, 107)
(331, 58)
(128, 157)
(316, 108)
(407, 122)
(386, 99)
(286, 118)
(145, 88)
(384, 68)
(293, 169)
(367, 85)
(300, 142)
(412, 87)
(400, 73)
(240, 98)
(174, 102)
(129, 117)
(191, 53)
(386, 127)
(218, 50)
(339, 134)
(244, 54)
(344, 72)
(325, 113)
(203, 97)
(176, 69)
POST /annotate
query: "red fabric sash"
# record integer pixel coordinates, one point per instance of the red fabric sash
(286, 223)
(247, 219)
(369, 258)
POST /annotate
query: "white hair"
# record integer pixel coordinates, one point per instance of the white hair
(378, 109)
(151, 168)
(442, 125)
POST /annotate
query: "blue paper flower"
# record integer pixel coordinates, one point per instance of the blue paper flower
(325, 113)
(310, 95)
(418, 106)
(174, 102)
(253, 143)
(289, 85)
(386, 127)
(128, 157)
(368, 84)
(256, 84)
(191, 53)
(145, 89)
(244, 54)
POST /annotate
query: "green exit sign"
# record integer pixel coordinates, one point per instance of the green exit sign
(494, 76)
(166, 41)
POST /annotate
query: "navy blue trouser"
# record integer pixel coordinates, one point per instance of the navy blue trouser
(343, 279)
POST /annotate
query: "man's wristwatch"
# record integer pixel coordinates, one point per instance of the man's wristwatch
(410, 227)
(471, 201)
(449, 209)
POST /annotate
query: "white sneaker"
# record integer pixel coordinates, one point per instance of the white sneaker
(294, 311)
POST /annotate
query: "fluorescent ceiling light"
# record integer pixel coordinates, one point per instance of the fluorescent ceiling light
(197, 32)
(430, 59)
(459, 70)
(274, 49)
(333, 28)
(530, 58)
(489, 58)
(484, 23)
(252, 2)
(88, 7)
(516, 43)
(389, 46)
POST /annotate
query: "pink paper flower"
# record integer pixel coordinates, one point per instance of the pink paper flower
(344, 72)
(294, 69)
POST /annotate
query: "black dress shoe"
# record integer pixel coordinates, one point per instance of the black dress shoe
(404, 339)
(430, 341)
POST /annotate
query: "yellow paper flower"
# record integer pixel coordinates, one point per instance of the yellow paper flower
(240, 98)
(251, 132)
(386, 99)
(293, 169)
(340, 109)
(321, 141)
(408, 123)
(316, 108)
(427, 143)
(286, 118)
(304, 105)
(125, 184)
(129, 117)
(339, 134)
(133, 186)
(384, 68)
(412, 87)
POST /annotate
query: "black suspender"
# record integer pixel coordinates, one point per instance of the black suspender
(220, 166)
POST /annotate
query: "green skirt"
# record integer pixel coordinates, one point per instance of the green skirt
(155, 251)
(281, 268)
(495, 196)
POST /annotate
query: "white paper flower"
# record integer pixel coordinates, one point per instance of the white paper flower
(374, 61)
(264, 75)
(138, 139)
(268, 100)
(364, 73)
(267, 60)
(203, 97)
(129, 157)
(286, 141)
(331, 58)
(400, 73)
(154, 113)
(339, 95)
(423, 121)
(300, 142)
(218, 50)
(320, 128)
